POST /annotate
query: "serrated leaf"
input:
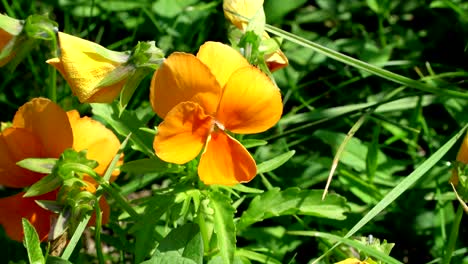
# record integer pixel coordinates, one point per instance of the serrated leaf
(40, 165)
(224, 225)
(293, 201)
(186, 241)
(275, 162)
(32, 243)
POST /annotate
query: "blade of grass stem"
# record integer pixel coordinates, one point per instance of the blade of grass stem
(363, 65)
(404, 185)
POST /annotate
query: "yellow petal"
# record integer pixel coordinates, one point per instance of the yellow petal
(251, 103)
(225, 161)
(48, 122)
(182, 77)
(14, 208)
(84, 64)
(351, 261)
(221, 59)
(17, 144)
(240, 11)
(101, 143)
(183, 133)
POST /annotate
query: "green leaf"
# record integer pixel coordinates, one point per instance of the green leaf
(274, 163)
(224, 225)
(293, 201)
(125, 123)
(44, 185)
(250, 143)
(150, 165)
(40, 165)
(185, 240)
(32, 243)
(57, 260)
(168, 258)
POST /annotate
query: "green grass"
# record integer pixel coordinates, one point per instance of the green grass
(376, 88)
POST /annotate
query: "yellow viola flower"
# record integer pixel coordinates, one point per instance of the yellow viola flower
(10, 28)
(352, 261)
(240, 12)
(203, 97)
(248, 15)
(41, 129)
(85, 64)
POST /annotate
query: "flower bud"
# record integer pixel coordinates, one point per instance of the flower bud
(10, 29)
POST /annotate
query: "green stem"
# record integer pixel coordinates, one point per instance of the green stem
(52, 87)
(358, 64)
(97, 234)
(203, 230)
(119, 199)
(383, 40)
(453, 236)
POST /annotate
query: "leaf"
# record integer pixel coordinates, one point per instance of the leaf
(143, 166)
(168, 258)
(250, 143)
(293, 201)
(125, 123)
(44, 185)
(32, 243)
(42, 165)
(274, 163)
(224, 225)
(57, 260)
(185, 240)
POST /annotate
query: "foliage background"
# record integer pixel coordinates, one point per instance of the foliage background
(324, 98)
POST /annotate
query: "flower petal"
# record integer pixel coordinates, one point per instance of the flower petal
(48, 122)
(251, 103)
(17, 144)
(84, 64)
(239, 11)
(225, 161)
(182, 77)
(221, 59)
(14, 208)
(101, 143)
(183, 133)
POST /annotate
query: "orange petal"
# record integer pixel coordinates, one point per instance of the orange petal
(225, 161)
(183, 133)
(48, 122)
(89, 134)
(182, 77)
(462, 155)
(276, 60)
(14, 208)
(221, 59)
(17, 144)
(251, 103)
(84, 64)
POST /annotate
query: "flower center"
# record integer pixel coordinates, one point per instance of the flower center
(218, 125)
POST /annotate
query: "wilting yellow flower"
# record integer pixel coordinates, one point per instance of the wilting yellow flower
(275, 60)
(352, 261)
(10, 28)
(41, 129)
(85, 64)
(200, 99)
(240, 12)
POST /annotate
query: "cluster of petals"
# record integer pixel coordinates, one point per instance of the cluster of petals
(84, 65)
(239, 13)
(205, 98)
(41, 129)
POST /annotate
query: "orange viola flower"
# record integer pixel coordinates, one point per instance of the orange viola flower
(202, 97)
(41, 129)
